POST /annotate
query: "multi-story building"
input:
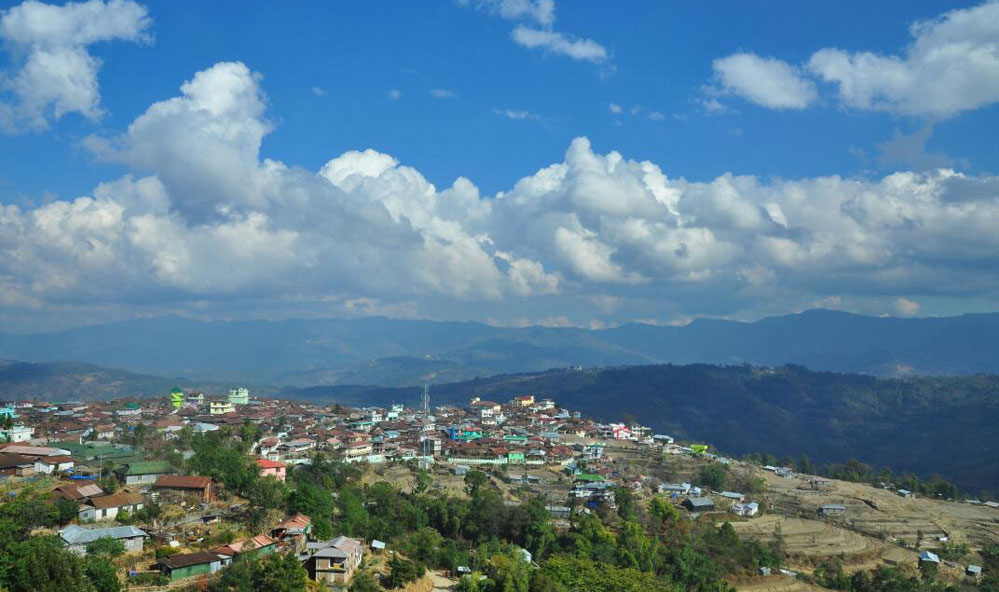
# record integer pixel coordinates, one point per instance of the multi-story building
(221, 407)
(239, 396)
(333, 561)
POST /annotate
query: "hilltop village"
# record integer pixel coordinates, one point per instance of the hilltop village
(187, 486)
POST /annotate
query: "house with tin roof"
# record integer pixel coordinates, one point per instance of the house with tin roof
(203, 487)
(143, 473)
(178, 567)
(699, 504)
(107, 507)
(76, 538)
(333, 561)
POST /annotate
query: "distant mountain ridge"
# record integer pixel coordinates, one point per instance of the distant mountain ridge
(73, 381)
(391, 352)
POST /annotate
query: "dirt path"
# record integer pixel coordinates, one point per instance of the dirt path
(441, 583)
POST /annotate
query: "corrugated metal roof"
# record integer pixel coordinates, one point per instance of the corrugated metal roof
(77, 535)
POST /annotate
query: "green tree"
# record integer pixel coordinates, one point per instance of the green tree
(713, 476)
(279, 573)
(542, 582)
(424, 545)
(102, 575)
(403, 571)
(364, 582)
(777, 545)
(66, 511)
(539, 536)
(264, 495)
(352, 516)
(249, 432)
(315, 502)
(581, 574)
(41, 565)
(139, 435)
(474, 481)
(509, 572)
(221, 458)
(106, 547)
(423, 481)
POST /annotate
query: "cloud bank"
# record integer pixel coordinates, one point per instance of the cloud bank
(202, 217)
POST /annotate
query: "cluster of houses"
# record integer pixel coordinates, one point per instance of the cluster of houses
(332, 561)
(82, 438)
(83, 441)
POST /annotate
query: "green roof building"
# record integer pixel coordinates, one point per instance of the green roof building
(144, 472)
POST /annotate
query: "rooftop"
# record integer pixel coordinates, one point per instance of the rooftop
(190, 559)
(183, 482)
(77, 535)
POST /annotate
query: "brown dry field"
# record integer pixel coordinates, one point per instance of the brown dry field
(866, 536)
(779, 583)
(894, 518)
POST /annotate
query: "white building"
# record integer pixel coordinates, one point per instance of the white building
(750, 509)
(239, 396)
(221, 407)
(18, 433)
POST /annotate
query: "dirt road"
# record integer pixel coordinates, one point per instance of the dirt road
(441, 583)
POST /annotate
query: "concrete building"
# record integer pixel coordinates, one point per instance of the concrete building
(333, 561)
(107, 507)
(272, 468)
(18, 433)
(239, 396)
(221, 407)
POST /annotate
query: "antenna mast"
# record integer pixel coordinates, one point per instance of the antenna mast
(426, 398)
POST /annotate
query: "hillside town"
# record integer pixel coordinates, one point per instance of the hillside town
(121, 465)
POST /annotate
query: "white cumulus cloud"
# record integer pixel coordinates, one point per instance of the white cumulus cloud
(952, 65)
(768, 82)
(52, 73)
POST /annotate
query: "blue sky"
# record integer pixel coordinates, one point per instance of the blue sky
(761, 89)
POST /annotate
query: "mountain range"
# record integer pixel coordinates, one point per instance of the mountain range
(389, 352)
(73, 381)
